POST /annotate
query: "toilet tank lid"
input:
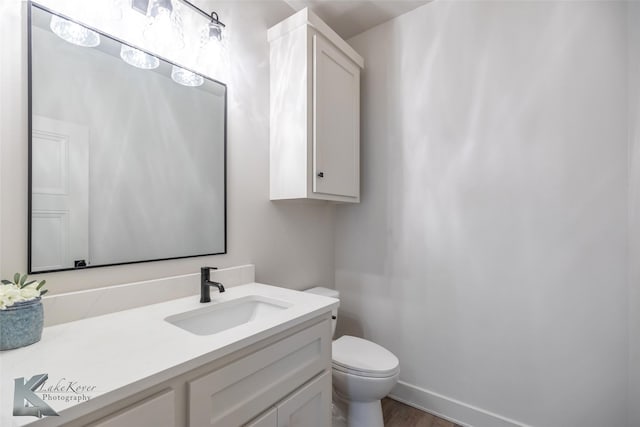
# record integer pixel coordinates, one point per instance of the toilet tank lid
(326, 292)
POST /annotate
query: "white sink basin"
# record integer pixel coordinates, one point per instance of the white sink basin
(218, 317)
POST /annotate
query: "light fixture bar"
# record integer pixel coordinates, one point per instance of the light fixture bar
(143, 5)
(213, 15)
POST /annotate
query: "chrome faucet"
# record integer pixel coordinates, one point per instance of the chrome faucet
(206, 283)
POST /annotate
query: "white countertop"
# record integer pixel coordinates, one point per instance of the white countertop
(128, 351)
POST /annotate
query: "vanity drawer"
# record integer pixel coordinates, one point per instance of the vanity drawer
(238, 392)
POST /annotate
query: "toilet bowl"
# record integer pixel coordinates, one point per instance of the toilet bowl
(363, 373)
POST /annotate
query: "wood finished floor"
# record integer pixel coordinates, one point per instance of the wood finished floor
(398, 414)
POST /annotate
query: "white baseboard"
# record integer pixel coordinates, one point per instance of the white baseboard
(449, 409)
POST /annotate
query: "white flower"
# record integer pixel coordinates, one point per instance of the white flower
(29, 292)
(6, 288)
(10, 294)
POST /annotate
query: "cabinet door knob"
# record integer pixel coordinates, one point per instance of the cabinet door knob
(321, 174)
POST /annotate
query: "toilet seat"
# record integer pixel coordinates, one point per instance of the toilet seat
(357, 356)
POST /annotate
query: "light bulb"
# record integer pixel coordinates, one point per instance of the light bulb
(186, 77)
(74, 33)
(114, 10)
(138, 58)
(212, 32)
(212, 43)
(159, 7)
(164, 27)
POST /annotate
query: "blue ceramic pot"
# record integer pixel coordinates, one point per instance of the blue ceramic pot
(21, 324)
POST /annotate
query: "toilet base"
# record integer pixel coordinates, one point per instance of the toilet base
(338, 416)
(360, 414)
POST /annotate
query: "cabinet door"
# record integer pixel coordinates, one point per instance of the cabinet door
(310, 406)
(239, 391)
(153, 412)
(268, 419)
(336, 124)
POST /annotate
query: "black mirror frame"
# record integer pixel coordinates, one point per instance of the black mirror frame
(30, 4)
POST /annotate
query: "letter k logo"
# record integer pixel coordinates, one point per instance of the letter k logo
(24, 393)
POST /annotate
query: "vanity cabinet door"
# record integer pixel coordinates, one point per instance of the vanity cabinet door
(310, 406)
(336, 121)
(268, 419)
(153, 412)
(238, 392)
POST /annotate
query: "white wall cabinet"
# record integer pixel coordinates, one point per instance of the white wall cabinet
(315, 112)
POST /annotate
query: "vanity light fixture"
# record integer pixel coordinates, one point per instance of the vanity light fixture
(212, 44)
(186, 77)
(212, 32)
(138, 58)
(159, 8)
(74, 33)
(112, 11)
(212, 41)
(164, 24)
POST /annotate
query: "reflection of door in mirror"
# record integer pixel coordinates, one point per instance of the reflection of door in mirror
(60, 194)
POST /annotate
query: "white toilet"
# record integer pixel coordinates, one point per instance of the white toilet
(363, 373)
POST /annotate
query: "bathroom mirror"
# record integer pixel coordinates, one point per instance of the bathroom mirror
(125, 164)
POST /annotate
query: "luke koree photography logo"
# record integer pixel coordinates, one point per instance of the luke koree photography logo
(26, 402)
(30, 397)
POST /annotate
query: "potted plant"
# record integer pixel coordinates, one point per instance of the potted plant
(21, 315)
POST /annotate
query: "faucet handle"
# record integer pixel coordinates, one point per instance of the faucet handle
(205, 270)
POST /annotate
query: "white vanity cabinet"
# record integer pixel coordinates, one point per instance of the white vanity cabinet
(314, 112)
(268, 419)
(309, 406)
(235, 393)
(284, 380)
(158, 410)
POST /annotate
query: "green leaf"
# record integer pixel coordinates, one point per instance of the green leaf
(23, 280)
(7, 282)
(16, 278)
(41, 285)
(28, 283)
(44, 292)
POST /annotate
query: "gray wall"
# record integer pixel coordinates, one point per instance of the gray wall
(291, 243)
(489, 251)
(634, 211)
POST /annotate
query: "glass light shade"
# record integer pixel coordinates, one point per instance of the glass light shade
(164, 27)
(74, 33)
(158, 7)
(186, 77)
(212, 32)
(114, 10)
(138, 58)
(212, 43)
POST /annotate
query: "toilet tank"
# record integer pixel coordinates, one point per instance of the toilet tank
(332, 293)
